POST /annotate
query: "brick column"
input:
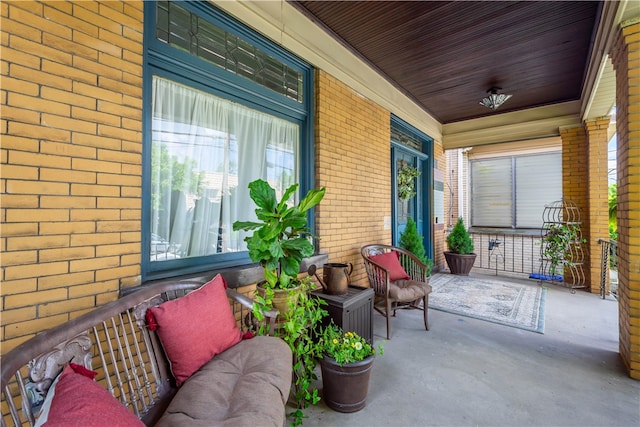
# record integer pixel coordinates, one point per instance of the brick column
(597, 221)
(574, 176)
(626, 61)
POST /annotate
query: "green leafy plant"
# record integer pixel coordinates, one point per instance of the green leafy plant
(613, 211)
(412, 241)
(345, 347)
(406, 182)
(557, 244)
(279, 242)
(459, 240)
(300, 330)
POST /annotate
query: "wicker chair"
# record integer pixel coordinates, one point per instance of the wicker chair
(403, 293)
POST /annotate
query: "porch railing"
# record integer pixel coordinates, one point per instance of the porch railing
(507, 253)
(608, 265)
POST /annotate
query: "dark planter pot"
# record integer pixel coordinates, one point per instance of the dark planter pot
(345, 388)
(460, 264)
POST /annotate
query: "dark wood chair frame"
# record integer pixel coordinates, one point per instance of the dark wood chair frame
(379, 281)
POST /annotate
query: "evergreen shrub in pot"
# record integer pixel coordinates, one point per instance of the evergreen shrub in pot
(460, 257)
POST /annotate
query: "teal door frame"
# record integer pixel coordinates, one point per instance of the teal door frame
(420, 207)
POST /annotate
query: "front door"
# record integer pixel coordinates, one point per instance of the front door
(413, 206)
(411, 149)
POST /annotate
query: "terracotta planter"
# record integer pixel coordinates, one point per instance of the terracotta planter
(460, 264)
(281, 298)
(345, 388)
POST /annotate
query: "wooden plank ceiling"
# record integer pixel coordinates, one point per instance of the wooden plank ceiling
(447, 54)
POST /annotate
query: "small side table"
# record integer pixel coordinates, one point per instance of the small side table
(351, 311)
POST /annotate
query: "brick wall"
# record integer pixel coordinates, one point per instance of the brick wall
(353, 161)
(575, 176)
(71, 159)
(72, 162)
(625, 61)
(598, 219)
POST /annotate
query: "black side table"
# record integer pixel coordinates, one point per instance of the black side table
(351, 311)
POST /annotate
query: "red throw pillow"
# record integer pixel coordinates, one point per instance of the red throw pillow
(76, 400)
(391, 261)
(196, 327)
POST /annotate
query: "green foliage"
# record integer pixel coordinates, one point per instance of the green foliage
(279, 242)
(412, 241)
(613, 212)
(459, 241)
(557, 244)
(345, 347)
(169, 173)
(300, 330)
(406, 182)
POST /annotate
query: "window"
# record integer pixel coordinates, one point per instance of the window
(225, 107)
(512, 191)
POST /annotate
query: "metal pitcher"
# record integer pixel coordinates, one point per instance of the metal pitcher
(337, 277)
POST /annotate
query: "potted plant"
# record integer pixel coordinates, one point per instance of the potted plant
(346, 364)
(557, 245)
(460, 257)
(279, 241)
(300, 330)
(412, 241)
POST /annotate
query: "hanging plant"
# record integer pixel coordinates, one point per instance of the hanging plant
(406, 182)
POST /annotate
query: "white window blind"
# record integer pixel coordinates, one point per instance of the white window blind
(491, 201)
(512, 191)
(538, 182)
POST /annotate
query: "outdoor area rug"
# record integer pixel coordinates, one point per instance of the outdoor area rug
(494, 300)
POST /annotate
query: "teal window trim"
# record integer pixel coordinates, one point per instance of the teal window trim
(180, 66)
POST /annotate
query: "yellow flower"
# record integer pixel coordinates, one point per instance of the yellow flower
(358, 346)
(335, 340)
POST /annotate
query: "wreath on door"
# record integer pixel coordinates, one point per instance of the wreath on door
(406, 182)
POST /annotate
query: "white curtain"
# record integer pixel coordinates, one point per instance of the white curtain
(205, 152)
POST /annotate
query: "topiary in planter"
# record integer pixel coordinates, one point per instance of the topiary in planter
(460, 257)
(459, 240)
(412, 241)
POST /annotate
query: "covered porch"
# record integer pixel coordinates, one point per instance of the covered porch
(466, 371)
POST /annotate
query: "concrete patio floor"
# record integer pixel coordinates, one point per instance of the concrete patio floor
(468, 372)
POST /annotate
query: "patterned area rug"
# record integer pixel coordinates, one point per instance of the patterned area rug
(511, 304)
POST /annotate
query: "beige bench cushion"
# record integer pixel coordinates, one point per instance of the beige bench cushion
(247, 385)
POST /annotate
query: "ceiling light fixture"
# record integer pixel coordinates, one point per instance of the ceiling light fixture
(494, 99)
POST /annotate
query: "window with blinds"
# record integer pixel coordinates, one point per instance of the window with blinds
(511, 192)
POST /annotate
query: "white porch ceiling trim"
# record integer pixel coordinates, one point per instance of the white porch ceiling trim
(534, 123)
